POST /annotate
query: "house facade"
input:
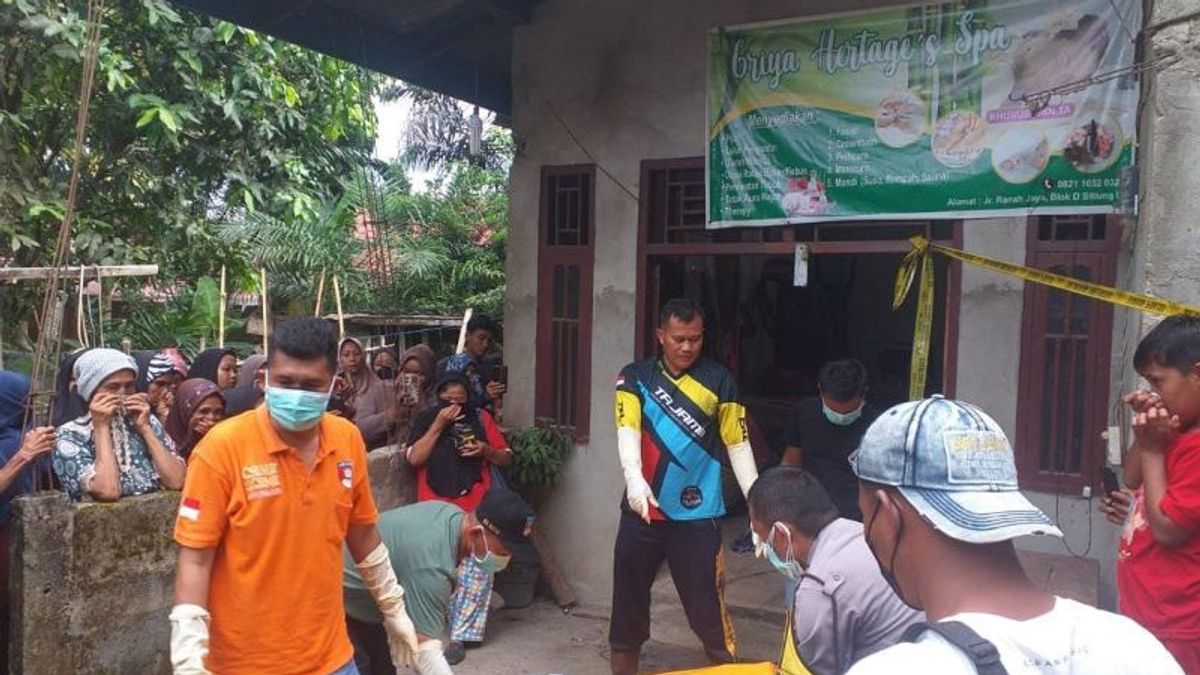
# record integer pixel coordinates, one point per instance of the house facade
(608, 221)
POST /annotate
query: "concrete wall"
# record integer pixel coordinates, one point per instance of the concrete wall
(92, 583)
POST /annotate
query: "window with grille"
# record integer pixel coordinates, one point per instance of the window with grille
(565, 262)
(1065, 356)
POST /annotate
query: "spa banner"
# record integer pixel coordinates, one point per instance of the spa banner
(973, 109)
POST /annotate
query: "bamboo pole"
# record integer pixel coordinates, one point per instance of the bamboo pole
(337, 297)
(221, 313)
(80, 325)
(320, 294)
(462, 331)
(266, 314)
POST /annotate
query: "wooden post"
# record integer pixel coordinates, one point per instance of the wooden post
(221, 314)
(462, 331)
(320, 294)
(337, 297)
(80, 325)
(564, 595)
(266, 314)
(27, 273)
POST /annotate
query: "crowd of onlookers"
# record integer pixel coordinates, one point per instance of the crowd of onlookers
(126, 424)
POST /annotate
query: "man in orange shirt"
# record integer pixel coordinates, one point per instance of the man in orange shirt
(270, 497)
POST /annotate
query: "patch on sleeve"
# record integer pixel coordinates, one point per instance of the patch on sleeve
(189, 508)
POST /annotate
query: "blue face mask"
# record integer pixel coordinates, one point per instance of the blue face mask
(491, 562)
(789, 568)
(841, 419)
(295, 409)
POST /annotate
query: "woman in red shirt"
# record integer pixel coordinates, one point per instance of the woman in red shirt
(453, 446)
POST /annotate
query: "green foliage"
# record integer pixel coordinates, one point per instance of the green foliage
(448, 243)
(539, 453)
(193, 120)
(184, 320)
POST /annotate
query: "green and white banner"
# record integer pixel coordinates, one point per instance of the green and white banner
(972, 109)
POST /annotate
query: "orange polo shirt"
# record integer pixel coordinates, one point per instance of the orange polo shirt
(275, 594)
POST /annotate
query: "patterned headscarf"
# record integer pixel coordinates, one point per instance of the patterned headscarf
(96, 366)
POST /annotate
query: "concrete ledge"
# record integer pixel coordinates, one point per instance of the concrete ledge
(393, 481)
(91, 585)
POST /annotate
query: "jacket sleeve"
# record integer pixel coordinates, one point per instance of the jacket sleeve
(371, 414)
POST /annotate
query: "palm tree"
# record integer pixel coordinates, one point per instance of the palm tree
(437, 134)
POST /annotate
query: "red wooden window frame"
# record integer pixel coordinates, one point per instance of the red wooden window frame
(566, 252)
(1058, 451)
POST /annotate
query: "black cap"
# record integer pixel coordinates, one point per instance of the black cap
(506, 515)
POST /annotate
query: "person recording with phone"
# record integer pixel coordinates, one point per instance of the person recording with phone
(453, 445)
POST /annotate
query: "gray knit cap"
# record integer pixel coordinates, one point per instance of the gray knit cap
(97, 365)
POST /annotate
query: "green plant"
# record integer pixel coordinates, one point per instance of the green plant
(182, 321)
(539, 453)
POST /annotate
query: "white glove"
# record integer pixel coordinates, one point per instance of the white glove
(431, 660)
(380, 579)
(741, 459)
(637, 491)
(189, 639)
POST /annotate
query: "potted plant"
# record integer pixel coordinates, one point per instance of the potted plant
(539, 453)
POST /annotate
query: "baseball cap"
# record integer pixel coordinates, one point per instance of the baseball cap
(503, 513)
(954, 464)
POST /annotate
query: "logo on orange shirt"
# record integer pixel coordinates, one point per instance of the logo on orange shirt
(346, 473)
(261, 480)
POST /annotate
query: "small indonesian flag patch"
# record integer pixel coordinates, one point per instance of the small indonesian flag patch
(190, 508)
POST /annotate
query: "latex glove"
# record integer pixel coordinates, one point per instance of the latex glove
(380, 580)
(638, 493)
(431, 660)
(189, 639)
(741, 459)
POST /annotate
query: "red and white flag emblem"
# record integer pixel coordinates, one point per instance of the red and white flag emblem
(190, 508)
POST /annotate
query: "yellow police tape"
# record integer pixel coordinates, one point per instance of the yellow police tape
(921, 259)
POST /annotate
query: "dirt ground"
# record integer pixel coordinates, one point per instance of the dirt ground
(542, 640)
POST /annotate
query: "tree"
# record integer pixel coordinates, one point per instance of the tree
(437, 135)
(192, 120)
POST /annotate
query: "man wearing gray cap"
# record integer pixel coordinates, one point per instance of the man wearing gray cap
(938, 490)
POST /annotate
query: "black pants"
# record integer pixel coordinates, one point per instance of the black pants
(371, 652)
(692, 549)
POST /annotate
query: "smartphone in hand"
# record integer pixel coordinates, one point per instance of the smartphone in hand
(1108, 478)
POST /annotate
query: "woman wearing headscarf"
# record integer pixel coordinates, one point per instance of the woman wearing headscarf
(372, 399)
(414, 386)
(118, 448)
(218, 366)
(453, 445)
(20, 451)
(68, 404)
(198, 406)
(249, 391)
(383, 363)
(157, 379)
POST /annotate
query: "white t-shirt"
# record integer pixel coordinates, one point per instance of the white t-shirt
(1071, 638)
